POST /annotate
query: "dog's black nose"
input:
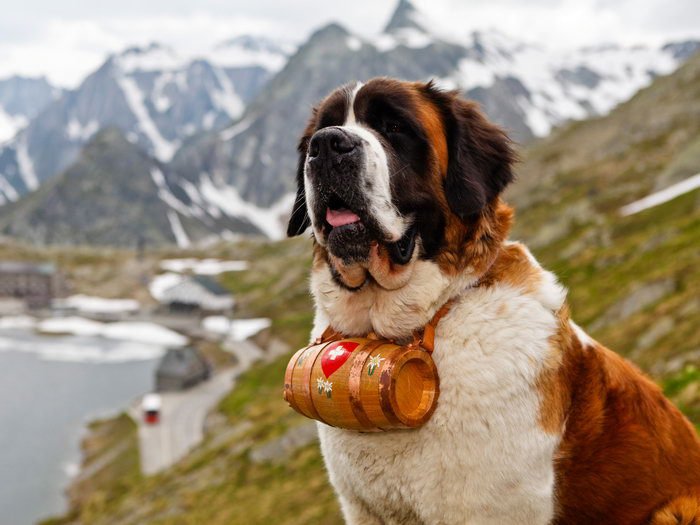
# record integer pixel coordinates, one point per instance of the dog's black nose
(329, 143)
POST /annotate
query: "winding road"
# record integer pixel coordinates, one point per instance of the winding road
(181, 425)
(182, 414)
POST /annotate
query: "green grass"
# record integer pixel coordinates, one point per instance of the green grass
(683, 388)
(276, 286)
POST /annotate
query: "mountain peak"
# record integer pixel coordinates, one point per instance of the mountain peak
(152, 47)
(251, 50)
(404, 17)
(153, 57)
(331, 31)
(255, 43)
(108, 135)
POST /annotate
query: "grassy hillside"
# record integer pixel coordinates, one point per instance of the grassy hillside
(634, 283)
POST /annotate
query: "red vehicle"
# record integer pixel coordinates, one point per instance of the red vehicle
(151, 405)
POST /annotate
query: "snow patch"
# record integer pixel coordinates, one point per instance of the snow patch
(228, 200)
(183, 241)
(160, 100)
(406, 37)
(10, 124)
(153, 58)
(238, 128)
(234, 55)
(660, 197)
(25, 164)
(353, 43)
(22, 322)
(140, 332)
(163, 149)
(561, 84)
(168, 198)
(70, 325)
(226, 98)
(536, 119)
(98, 305)
(79, 132)
(235, 329)
(242, 329)
(143, 332)
(203, 266)
(9, 192)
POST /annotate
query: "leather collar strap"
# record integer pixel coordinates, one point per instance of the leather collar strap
(424, 338)
(427, 337)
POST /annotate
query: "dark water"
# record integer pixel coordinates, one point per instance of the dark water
(44, 405)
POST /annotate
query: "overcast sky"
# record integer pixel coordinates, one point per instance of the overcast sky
(66, 40)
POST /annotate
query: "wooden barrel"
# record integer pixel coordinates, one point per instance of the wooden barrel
(363, 384)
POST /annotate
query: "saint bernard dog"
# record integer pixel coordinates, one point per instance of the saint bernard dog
(536, 422)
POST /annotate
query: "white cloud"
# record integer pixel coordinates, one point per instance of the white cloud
(65, 50)
(571, 23)
(66, 40)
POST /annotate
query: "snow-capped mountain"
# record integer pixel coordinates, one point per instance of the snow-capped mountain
(251, 51)
(547, 87)
(532, 87)
(21, 98)
(527, 88)
(113, 194)
(157, 98)
(221, 179)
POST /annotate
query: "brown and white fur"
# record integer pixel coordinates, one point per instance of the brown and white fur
(536, 422)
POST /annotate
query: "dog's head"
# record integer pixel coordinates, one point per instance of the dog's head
(393, 172)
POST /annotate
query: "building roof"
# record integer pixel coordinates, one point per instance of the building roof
(210, 285)
(151, 402)
(198, 290)
(25, 267)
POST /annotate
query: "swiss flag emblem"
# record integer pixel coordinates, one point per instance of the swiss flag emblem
(335, 355)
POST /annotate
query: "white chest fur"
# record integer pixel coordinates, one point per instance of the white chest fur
(482, 458)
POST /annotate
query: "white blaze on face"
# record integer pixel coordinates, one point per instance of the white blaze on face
(375, 180)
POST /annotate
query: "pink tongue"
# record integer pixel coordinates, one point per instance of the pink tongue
(340, 217)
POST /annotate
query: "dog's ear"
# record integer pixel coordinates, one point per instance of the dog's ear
(481, 159)
(299, 220)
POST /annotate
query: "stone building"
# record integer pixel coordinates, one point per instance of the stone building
(34, 283)
(181, 368)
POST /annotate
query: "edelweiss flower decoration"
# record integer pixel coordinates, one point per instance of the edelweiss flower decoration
(374, 363)
(324, 386)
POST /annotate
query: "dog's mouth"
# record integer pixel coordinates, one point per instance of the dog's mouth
(351, 233)
(339, 214)
(347, 235)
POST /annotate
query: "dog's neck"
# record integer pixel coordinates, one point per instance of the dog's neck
(397, 313)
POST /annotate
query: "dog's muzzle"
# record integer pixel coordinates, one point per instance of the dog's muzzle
(335, 166)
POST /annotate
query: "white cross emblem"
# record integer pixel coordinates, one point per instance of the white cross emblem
(336, 352)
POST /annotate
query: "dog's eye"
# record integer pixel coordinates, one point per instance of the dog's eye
(393, 126)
